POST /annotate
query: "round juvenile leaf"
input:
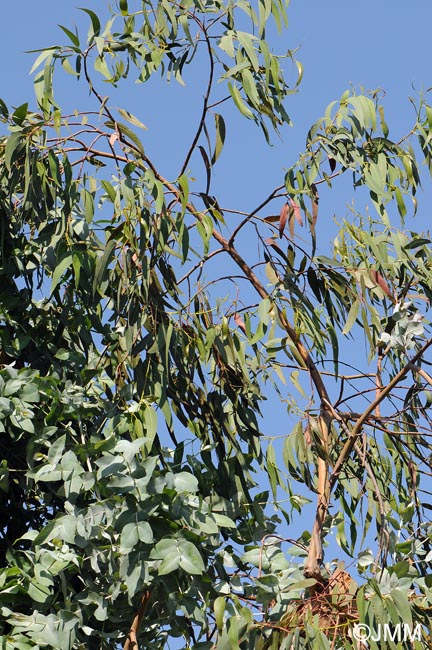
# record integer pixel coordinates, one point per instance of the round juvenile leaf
(190, 558)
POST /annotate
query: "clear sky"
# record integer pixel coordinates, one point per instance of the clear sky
(373, 43)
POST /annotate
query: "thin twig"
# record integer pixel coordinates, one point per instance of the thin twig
(370, 409)
(205, 100)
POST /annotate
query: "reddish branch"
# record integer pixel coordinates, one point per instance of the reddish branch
(131, 642)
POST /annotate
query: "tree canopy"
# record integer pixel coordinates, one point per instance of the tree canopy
(143, 325)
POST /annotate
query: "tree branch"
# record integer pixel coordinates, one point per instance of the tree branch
(206, 98)
(356, 430)
(131, 642)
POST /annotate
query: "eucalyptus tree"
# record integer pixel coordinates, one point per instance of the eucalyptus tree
(144, 502)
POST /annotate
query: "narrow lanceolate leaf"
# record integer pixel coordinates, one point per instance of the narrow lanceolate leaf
(14, 145)
(207, 165)
(379, 280)
(272, 218)
(400, 203)
(315, 199)
(238, 101)
(247, 41)
(352, 316)
(291, 221)
(60, 269)
(220, 137)
(219, 609)
(96, 26)
(283, 218)
(294, 377)
(314, 283)
(126, 115)
(184, 190)
(126, 131)
(297, 212)
(73, 36)
(240, 322)
(103, 264)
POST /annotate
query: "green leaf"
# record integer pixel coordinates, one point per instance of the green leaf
(364, 109)
(73, 36)
(205, 230)
(401, 601)
(272, 469)
(131, 119)
(14, 145)
(20, 113)
(96, 26)
(220, 137)
(352, 316)
(167, 550)
(219, 609)
(183, 182)
(190, 558)
(30, 393)
(125, 130)
(38, 592)
(294, 378)
(102, 265)
(178, 553)
(101, 66)
(250, 88)
(247, 41)
(45, 54)
(169, 564)
(185, 482)
(56, 450)
(64, 265)
(133, 533)
(110, 190)
(400, 203)
(227, 45)
(235, 94)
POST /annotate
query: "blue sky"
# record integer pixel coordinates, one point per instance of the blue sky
(373, 43)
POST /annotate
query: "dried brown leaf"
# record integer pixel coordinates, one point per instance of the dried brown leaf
(380, 281)
(315, 199)
(240, 322)
(283, 218)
